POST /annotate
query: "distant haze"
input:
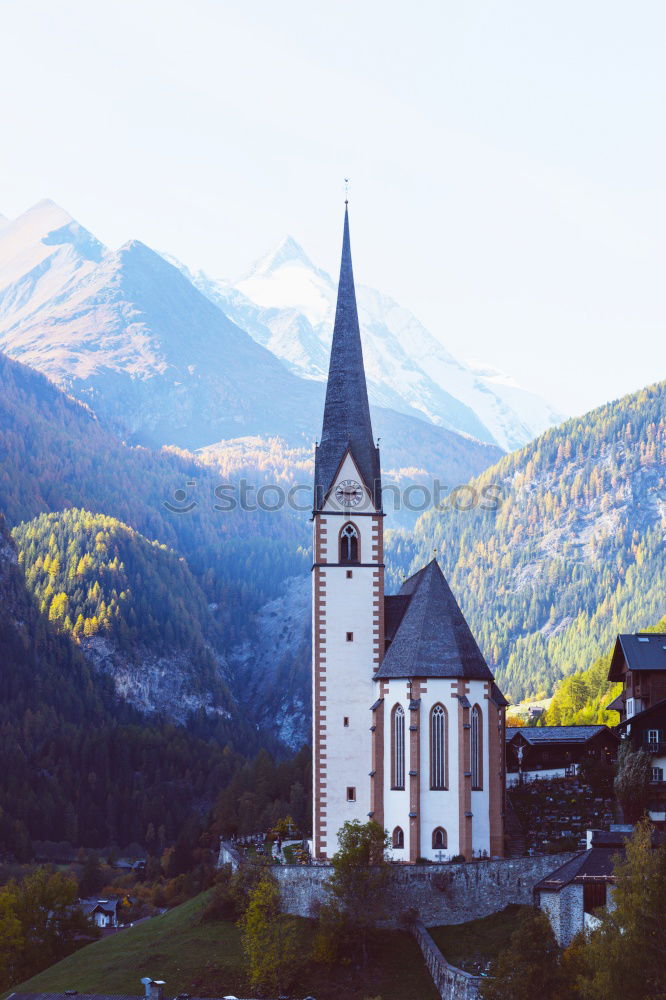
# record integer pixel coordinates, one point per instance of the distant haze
(507, 160)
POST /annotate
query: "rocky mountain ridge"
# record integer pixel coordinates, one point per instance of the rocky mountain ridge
(287, 304)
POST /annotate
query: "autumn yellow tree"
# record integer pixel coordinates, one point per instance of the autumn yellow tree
(270, 939)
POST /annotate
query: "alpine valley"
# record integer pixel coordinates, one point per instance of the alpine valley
(132, 388)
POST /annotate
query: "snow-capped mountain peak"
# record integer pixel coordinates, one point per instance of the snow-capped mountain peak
(286, 278)
(288, 304)
(60, 287)
(41, 252)
(287, 251)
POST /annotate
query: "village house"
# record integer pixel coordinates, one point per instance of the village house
(555, 751)
(572, 894)
(639, 663)
(647, 731)
(105, 913)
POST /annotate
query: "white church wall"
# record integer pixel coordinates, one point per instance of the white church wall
(481, 799)
(348, 691)
(437, 807)
(396, 801)
(440, 808)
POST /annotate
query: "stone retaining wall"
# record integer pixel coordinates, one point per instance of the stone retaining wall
(440, 894)
(451, 983)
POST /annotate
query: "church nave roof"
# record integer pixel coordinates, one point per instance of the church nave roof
(427, 631)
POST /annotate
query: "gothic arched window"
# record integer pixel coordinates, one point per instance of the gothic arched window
(398, 747)
(439, 748)
(398, 838)
(439, 839)
(349, 543)
(477, 748)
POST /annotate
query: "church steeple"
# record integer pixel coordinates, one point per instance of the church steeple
(347, 423)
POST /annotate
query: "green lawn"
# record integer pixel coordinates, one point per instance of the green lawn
(478, 941)
(207, 960)
(173, 947)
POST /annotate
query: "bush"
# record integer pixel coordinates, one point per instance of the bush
(231, 893)
(529, 967)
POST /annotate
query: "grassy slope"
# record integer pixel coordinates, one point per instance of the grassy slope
(478, 940)
(207, 960)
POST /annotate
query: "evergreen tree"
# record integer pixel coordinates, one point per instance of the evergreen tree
(626, 956)
(92, 877)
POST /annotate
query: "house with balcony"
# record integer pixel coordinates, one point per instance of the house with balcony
(639, 663)
(555, 751)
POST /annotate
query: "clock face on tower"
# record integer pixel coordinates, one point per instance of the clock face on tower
(349, 493)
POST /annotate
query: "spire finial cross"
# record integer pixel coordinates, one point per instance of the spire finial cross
(346, 190)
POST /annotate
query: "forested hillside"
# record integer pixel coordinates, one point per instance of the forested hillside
(581, 698)
(575, 551)
(54, 454)
(132, 604)
(77, 765)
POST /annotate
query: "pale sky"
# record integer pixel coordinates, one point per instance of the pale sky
(507, 159)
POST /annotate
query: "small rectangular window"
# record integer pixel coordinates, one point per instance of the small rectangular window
(351, 795)
(346, 721)
(350, 636)
(350, 573)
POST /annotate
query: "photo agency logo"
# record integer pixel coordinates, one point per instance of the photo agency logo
(347, 495)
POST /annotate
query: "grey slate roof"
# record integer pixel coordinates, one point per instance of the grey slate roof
(641, 650)
(432, 639)
(346, 410)
(595, 863)
(395, 606)
(88, 906)
(538, 735)
(498, 697)
(617, 704)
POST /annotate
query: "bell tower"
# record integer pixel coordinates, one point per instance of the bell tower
(347, 582)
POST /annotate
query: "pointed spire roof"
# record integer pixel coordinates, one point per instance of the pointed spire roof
(347, 423)
(433, 639)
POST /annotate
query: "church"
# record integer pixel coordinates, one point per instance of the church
(408, 723)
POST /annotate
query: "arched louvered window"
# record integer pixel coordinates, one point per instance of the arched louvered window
(398, 838)
(477, 748)
(439, 839)
(439, 747)
(349, 543)
(398, 747)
